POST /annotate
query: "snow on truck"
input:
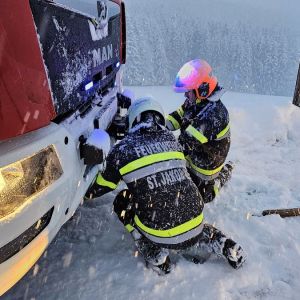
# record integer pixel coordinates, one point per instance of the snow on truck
(60, 84)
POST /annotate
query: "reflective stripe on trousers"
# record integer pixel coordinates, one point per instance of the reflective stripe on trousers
(174, 239)
(173, 236)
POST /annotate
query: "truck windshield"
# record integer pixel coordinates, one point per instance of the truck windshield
(90, 7)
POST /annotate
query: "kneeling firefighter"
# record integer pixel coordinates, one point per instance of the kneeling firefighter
(204, 124)
(162, 207)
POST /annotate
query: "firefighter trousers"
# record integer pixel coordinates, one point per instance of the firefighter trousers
(209, 189)
(211, 240)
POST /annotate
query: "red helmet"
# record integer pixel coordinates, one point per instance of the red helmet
(196, 75)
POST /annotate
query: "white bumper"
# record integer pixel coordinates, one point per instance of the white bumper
(62, 197)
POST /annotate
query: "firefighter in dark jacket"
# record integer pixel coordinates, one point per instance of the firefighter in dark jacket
(162, 207)
(204, 124)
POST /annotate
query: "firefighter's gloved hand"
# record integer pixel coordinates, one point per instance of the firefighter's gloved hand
(91, 155)
(95, 148)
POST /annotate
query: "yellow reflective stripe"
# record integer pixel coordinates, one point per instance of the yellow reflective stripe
(180, 111)
(216, 190)
(150, 159)
(180, 229)
(197, 134)
(101, 181)
(203, 171)
(174, 122)
(223, 132)
(129, 228)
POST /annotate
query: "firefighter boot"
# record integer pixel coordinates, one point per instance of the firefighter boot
(215, 241)
(155, 257)
(225, 173)
(234, 253)
(220, 181)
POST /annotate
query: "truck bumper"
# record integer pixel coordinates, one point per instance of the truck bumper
(15, 268)
(27, 230)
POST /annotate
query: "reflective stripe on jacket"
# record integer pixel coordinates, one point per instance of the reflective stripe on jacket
(205, 136)
(168, 206)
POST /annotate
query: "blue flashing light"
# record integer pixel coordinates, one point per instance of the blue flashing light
(89, 86)
(118, 65)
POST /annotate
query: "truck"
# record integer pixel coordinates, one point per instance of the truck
(61, 65)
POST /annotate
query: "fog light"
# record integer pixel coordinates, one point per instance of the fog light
(23, 179)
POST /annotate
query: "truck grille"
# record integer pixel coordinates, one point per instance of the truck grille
(25, 238)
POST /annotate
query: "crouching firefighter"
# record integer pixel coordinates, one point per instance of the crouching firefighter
(162, 207)
(204, 123)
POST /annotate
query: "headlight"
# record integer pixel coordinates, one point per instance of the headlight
(22, 179)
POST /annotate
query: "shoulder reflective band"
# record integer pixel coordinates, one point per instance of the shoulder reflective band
(196, 134)
(150, 159)
(154, 168)
(224, 133)
(101, 181)
(207, 174)
(173, 232)
(173, 122)
(180, 111)
(129, 228)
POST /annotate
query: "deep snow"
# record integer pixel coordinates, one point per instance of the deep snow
(94, 258)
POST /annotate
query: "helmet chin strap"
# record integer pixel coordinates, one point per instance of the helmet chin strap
(199, 98)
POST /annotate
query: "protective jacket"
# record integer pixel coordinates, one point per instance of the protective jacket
(167, 204)
(205, 135)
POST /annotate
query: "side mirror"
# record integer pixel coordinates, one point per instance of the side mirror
(296, 99)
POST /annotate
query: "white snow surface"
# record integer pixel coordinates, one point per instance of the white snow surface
(94, 258)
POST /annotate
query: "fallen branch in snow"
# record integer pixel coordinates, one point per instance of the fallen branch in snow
(284, 212)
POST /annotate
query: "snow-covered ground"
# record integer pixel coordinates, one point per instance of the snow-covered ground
(94, 258)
